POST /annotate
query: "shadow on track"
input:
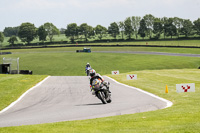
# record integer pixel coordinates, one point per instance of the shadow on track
(90, 104)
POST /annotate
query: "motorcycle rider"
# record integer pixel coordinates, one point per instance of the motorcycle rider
(94, 75)
(87, 68)
(87, 65)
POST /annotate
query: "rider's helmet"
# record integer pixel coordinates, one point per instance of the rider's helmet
(92, 72)
(88, 63)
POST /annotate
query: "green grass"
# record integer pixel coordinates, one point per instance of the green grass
(13, 86)
(182, 117)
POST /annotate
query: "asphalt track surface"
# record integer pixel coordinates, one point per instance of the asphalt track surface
(129, 52)
(151, 53)
(66, 98)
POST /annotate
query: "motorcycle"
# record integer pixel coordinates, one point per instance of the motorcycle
(101, 91)
(87, 70)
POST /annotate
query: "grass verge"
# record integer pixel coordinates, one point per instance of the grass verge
(13, 86)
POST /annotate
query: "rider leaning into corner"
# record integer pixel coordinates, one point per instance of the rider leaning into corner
(95, 75)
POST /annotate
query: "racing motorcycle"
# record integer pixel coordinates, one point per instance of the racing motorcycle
(87, 70)
(101, 91)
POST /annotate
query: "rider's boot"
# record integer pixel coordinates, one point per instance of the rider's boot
(107, 85)
(93, 92)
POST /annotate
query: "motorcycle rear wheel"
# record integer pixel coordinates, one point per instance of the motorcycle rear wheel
(109, 101)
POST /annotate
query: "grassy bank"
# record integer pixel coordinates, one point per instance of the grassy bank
(183, 116)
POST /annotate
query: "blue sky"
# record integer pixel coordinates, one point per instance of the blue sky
(93, 12)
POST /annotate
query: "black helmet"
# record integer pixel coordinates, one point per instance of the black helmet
(92, 72)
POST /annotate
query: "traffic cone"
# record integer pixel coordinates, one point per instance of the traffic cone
(166, 89)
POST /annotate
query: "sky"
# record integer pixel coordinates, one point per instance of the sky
(93, 12)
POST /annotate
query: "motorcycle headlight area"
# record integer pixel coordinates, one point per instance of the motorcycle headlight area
(97, 86)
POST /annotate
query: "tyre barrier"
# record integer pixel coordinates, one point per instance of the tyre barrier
(22, 72)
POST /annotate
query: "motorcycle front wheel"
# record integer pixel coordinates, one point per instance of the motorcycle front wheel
(101, 96)
(109, 100)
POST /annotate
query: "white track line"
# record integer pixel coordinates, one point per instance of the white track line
(13, 103)
(169, 103)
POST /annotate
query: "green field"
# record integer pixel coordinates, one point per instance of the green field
(60, 38)
(154, 73)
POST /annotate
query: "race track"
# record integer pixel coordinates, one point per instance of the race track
(151, 53)
(65, 98)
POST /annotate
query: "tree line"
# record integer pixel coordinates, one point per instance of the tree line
(131, 28)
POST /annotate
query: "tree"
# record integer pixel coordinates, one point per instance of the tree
(42, 33)
(143, 28)
(27, 32)
(1, 37)
(128, 27)
(100, 30)
(163, 22)
(121, 28)
(86, 30)
(91, 31)
(10, 31)
(71, 31)
(136, 24)
(178, 22)
(149, 19)
(113, 29)
(51, 30)
(170, 28)
(157, 27)
(62, 31)
(12, 40)
(187, 28)
(197, 26)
